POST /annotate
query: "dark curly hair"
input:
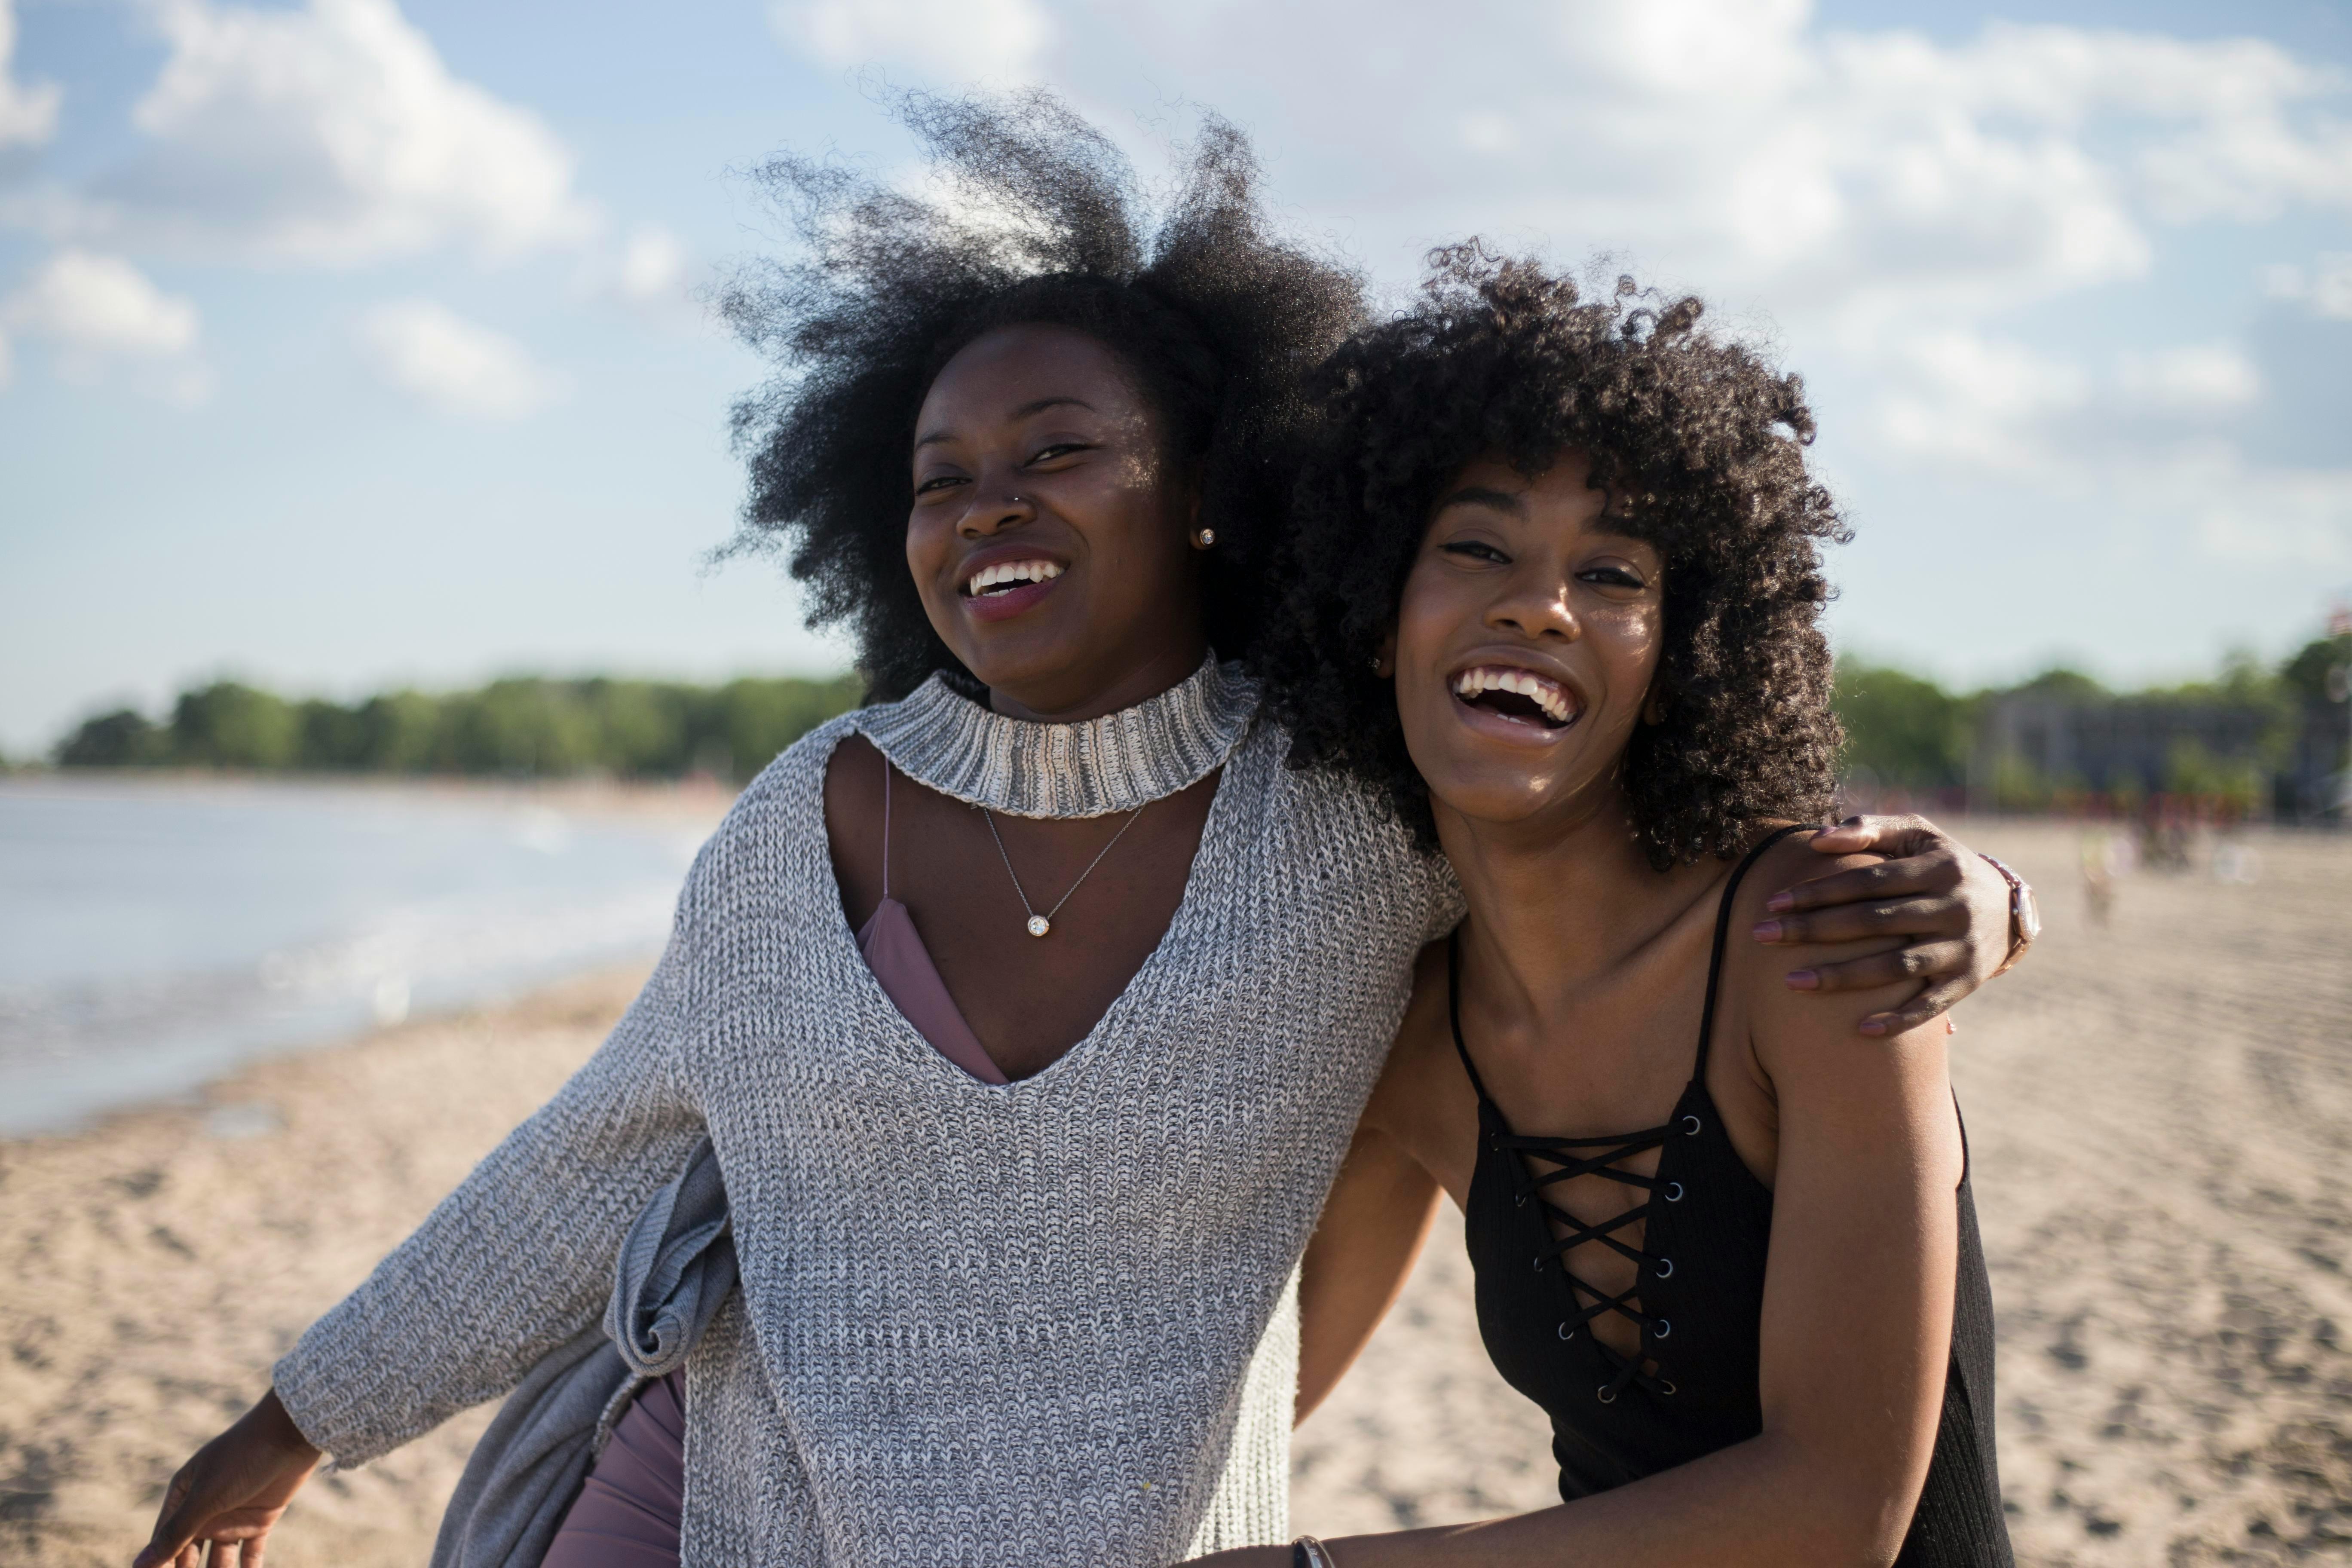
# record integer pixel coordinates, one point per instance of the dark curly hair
(1219, 321)
(1703, 437)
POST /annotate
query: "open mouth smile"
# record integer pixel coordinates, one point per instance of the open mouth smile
(1518, 696)
(1000, 589)
(1008, 576)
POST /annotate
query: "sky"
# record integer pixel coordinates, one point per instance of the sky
(356, 342)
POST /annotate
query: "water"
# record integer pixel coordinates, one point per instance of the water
(154, 935)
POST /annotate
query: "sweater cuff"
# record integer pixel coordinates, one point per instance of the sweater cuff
(326, 1408)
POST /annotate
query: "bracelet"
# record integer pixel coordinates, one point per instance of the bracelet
(2024, 915)
(1309, 1553)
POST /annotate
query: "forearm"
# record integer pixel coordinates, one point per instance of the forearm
(1372, 1228)
(1764, 1503)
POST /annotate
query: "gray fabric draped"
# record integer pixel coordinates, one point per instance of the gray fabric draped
(675, 1266)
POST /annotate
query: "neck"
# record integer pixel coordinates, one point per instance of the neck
(1555, 900)
(1074, 701)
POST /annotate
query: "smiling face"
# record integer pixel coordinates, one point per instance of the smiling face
(1048, 533)
(1527, 641)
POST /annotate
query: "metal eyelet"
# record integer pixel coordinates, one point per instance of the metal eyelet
(1690, 1126)
(1665, 1267)
(1520, 1201)
(1661, 1329)
(1539, 1262)
(1608, 1394)
(1565, 1331)
(1673, 1191)
(1666, 1388)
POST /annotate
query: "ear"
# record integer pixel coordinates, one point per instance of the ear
(1654, 710)
(1384, 657)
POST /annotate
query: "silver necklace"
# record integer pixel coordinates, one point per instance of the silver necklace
(1040, 924)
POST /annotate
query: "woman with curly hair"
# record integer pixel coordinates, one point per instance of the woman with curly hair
(1026, 1011)
(1555, 589)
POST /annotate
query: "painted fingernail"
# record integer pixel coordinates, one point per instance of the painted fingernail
(1768, 930)
(1780, 902)
(1874, 1026)
(1804, 980)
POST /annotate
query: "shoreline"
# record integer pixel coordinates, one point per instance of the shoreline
(696, 798)
(2160, 1112)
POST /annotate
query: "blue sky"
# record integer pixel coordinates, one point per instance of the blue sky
(354, 342)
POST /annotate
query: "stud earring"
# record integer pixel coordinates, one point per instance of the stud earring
(1205, 538)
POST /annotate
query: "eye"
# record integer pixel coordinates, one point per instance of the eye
(937, 482)
(1058, 449)
(1613, 577)
(1474, 550)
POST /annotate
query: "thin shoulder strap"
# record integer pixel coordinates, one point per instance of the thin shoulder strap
(1453, 1009)
(1722, 931)
(886, 771)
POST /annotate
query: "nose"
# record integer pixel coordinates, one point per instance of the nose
(993, 509)
(1536, 608)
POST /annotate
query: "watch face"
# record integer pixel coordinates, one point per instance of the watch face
(2028, 911)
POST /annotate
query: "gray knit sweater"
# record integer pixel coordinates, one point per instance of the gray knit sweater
(1043, 1323)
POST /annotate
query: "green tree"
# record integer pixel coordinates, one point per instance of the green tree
(402, 732)
(231, 725)
(1906, 729)
(521, 726)
(329, 737)
(2305, 674)
(758, 719)
(123, 739)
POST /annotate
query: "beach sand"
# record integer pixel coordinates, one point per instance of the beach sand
(2158, 1108)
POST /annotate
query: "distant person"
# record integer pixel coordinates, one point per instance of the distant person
(2098, 856)
(1030, 1010)
(1556, 592)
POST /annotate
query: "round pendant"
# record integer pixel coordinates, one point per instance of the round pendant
(1039, 925)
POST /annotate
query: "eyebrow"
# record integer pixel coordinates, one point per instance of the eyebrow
(1486, 495)
(1038, 406)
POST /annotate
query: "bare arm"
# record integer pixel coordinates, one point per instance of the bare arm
(1372, 1229)
(1856, 1327)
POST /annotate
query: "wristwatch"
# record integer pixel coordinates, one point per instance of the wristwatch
(2024, 916)
(1309, 1553)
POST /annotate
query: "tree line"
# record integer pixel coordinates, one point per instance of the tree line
(1911, 733)
(526, 725)
(1906, 730)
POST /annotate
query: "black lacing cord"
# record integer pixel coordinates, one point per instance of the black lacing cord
(1568, 1166)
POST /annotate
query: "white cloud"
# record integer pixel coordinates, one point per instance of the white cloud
(2196, 378)
(452, 364)
(2293, 518)
(652, 268)
(2326, 287)
(99, 313)
(330, 134)
(963, 40)
(28, 115)
(101, 304)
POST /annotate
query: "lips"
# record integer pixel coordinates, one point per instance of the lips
(999, 584)
(1518, 696)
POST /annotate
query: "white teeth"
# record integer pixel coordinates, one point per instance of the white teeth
(988, 577)
(1548, 695)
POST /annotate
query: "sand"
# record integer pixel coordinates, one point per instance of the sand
(2158, 1110)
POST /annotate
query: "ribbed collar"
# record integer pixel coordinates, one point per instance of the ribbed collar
(943, 739)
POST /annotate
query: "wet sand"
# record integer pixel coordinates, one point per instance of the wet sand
(2158, 1112)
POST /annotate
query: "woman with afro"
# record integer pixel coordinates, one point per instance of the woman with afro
(1028, 1010)
(1554, 590)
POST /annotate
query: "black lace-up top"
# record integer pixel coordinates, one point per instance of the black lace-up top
(1699, 1232)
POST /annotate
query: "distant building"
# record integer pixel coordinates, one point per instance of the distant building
(2033, 746)
(2315, 784)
